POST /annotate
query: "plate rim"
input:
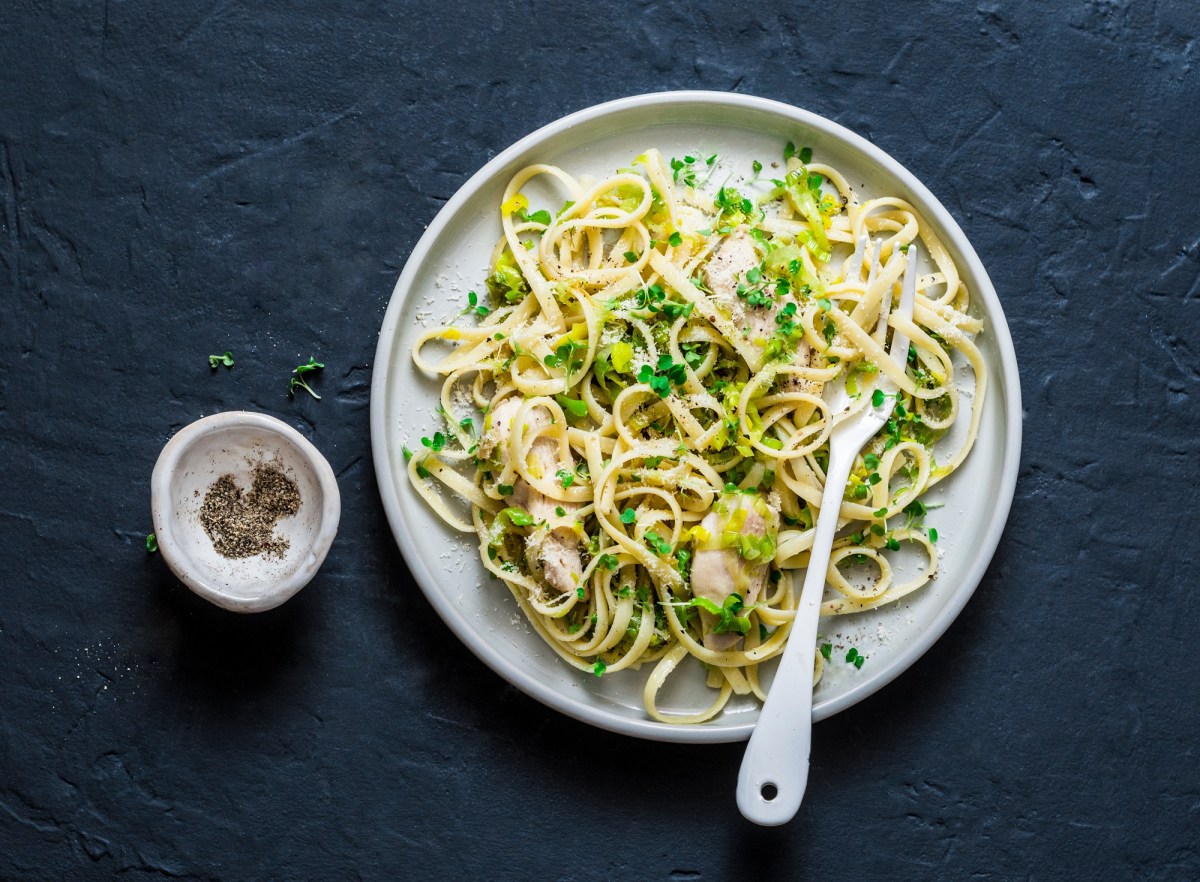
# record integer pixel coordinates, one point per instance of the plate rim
(512, 672)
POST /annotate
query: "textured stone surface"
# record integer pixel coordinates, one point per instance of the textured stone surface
(182, 178)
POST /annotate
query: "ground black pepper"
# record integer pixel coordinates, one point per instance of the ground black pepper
(243, 524)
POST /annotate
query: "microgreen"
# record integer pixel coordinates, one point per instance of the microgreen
(658, 543)
(661, 377)
(654, 299)
(628, 516)
(608, 561)
(855, 658)
(563, 356)
(826, 651)
(730, 621)
(565, 477)
(298, 381)
(599, 667)
(214, 361)
(436, 443)
(675, 240)
(473, 305)
(683, 171)
(151, 543)
(538, 217)
(504, 489)
(730, 201)
(685, 559)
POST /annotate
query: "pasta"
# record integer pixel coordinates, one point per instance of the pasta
(649, 362)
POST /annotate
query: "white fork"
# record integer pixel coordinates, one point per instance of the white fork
(774, 770)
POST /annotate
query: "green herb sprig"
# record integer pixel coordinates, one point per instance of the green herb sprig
(728, 613)
(298, 381)
(661, 377)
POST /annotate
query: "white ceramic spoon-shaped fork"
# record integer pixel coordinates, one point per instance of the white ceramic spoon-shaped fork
(774, 770)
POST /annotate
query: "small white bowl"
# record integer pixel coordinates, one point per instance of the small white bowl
(235, 443)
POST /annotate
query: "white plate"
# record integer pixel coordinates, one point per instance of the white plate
(452, 257)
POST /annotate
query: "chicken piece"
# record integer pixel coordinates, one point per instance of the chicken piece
(735, 558)
(556, 549)
(726, 270)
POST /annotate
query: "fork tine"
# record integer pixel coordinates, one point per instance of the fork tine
(898, 351)
(856, 261)
(885, 303)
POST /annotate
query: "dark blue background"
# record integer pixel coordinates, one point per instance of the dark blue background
(184, 178)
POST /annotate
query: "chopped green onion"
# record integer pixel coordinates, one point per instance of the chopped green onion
(573, 406)
(517, 517)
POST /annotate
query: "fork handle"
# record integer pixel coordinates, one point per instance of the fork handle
(776, 759)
